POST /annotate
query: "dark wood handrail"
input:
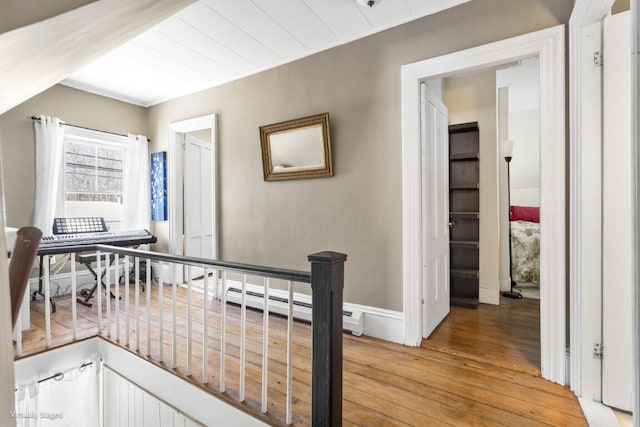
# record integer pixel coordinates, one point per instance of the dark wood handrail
(273, 272)
(327, 283)
(22, 257)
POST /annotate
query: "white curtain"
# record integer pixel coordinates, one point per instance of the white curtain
(73, 399)
(136, 209)
(49, 172)
(26, 412)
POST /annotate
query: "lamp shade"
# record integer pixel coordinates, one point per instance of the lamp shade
(507, 147)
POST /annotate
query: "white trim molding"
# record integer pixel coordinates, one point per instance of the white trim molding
(548, 46)
(175, 179)
(635, 97)
(585, 102)
(380, 323)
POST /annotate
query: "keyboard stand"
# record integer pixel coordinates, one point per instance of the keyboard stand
(87, 260)
(34, 294)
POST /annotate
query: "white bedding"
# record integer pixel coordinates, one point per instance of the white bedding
(525, 247)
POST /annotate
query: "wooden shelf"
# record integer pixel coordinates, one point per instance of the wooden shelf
(469, 186)
(465, 243)
(475, 215)
(464, 156)
(471, 274)
(467, 302)
(463, 127)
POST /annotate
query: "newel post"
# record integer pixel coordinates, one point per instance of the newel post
(327, 282)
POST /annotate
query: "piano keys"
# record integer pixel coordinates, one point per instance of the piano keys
(113, 238)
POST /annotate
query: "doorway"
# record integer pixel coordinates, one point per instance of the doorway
(193, 189)
(548, 46)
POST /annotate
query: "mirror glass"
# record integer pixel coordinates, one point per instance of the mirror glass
(297, 148)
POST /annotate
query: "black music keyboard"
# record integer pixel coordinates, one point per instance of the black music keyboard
(114, 238)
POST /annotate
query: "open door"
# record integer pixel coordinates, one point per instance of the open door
(617, 215)
(434, 142)
(198, 200)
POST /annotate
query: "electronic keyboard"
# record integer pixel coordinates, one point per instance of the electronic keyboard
(114, 238)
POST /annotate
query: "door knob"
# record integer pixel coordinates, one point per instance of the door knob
(452, 223)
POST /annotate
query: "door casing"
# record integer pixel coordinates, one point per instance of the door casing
(175, 177)
(548, 46)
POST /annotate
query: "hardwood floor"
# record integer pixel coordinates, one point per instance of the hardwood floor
(480, 367)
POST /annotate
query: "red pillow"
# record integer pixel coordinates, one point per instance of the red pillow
(525, 213)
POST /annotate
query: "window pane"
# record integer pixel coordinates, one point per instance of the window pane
(80, 182)
(93, 172)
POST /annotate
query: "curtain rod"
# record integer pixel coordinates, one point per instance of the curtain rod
(59, 376)
(83, 127)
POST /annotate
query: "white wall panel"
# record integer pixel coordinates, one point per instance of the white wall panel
(126, 404)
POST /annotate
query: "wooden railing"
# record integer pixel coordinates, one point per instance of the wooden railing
(133, 325)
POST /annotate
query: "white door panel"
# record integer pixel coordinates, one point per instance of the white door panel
(435, 208)
(617, 222)
(198, 200)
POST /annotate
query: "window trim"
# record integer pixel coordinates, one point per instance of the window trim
(94, 137)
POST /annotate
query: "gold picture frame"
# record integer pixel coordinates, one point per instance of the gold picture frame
(297, 149)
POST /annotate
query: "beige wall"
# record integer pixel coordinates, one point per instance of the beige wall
(504, 268)
(18, 13)
(472, 98)
(359, 210)
(620, 6)
(18, 142)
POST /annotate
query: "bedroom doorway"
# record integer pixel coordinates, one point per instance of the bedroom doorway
(518, 114)
(548, 46)
(487, 108)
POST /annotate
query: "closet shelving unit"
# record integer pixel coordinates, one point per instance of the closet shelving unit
(464, 213)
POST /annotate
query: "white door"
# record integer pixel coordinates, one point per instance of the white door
(435, 209)
(617, 219)
(198, 200)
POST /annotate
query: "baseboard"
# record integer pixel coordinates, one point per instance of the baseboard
(163, 272)
(489, 296)
(61, 283)
(598, 414)
(379, 323)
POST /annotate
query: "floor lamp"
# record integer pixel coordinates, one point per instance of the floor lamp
(507, 150)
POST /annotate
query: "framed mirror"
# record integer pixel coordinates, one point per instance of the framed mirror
(294, 149)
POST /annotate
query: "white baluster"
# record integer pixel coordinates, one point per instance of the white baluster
(205, 327)
(98, 289)
(148, 307)
(265, 344)
(108, 302)
(189, 318)
(47, 301)
(243, 326)
(117, 302)
(127, 272)
(160, 313)
(174, 328)
(223, 330)
(289, 349)
(137, 300)
(74, 308)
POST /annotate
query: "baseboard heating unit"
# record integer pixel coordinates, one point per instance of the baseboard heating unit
(352, 321)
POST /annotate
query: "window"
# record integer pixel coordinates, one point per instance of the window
(93, 174)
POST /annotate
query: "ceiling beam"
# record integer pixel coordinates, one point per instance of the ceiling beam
(38, 56)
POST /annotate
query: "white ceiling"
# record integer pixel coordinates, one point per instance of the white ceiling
(216, 41)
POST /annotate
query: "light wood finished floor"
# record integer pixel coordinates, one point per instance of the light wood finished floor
(479, 368)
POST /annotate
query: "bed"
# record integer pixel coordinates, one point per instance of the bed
(525, 244)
